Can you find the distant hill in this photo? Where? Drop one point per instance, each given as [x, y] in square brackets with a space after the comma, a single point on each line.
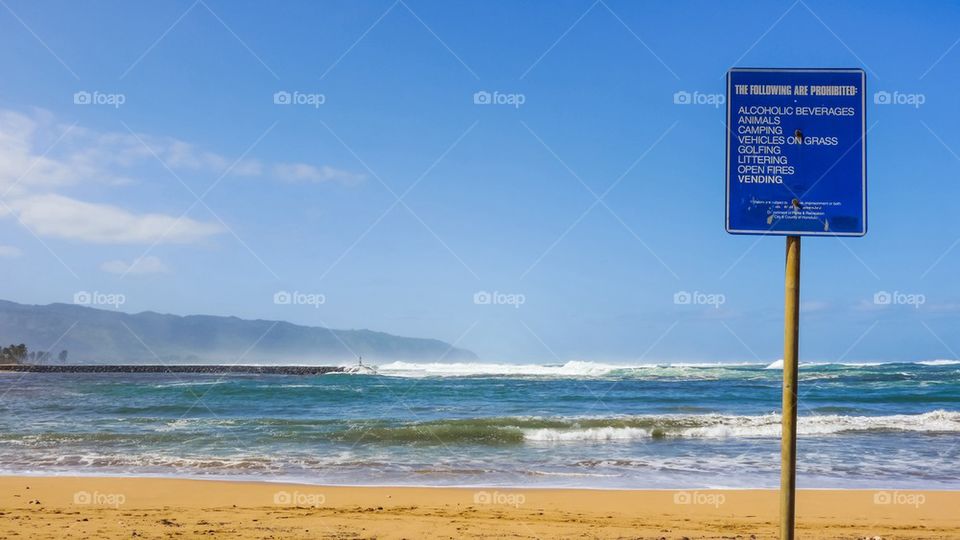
[108, 337]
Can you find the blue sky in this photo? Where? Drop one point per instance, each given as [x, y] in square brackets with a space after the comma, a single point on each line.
[397, 199]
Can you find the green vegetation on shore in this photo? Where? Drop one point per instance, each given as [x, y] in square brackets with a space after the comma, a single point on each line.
[19, 354]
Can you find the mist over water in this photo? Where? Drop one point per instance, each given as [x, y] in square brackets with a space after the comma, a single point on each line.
[577, 424]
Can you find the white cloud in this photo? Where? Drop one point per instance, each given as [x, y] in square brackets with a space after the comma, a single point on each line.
[20, 166]
[38, 152]
[9, 252]
[41, 158]
[145, 265]
[63, 217]
[180, 155]
[302, 172]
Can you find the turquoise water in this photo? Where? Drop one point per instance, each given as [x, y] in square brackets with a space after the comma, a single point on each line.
[578, 424]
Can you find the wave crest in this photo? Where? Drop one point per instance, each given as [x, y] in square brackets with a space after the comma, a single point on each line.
[580, 368]
[515, 430]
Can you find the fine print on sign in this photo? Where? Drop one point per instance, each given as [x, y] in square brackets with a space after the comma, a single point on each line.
[796, 152]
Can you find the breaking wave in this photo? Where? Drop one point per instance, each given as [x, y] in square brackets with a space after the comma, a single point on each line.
[514, 430]
[519, 430]
[578, 368]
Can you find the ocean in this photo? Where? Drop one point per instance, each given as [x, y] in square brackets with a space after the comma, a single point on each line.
[580, 424]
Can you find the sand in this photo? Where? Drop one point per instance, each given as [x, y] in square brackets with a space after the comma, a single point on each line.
[99, 507]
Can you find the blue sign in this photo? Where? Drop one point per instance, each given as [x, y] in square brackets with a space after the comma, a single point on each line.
[796, 152]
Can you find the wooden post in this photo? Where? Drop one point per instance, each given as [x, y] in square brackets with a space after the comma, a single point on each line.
[788, 445]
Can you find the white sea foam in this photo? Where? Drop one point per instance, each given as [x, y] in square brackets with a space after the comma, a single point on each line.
[570, 369]
[580, 368]
[194, 423]
[719, 426]
[592, 434]
[940, 362]
[188, 383]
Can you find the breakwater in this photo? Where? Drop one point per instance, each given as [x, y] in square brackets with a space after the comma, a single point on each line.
[173, 368]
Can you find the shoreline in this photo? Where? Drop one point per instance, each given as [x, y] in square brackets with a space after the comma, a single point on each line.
[125, 507]
[250, 479]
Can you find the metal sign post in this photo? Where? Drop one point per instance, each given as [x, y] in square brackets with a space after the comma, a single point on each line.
[796, 166]
[791, 341]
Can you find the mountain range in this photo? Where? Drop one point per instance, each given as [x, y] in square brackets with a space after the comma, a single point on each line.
[101, 336]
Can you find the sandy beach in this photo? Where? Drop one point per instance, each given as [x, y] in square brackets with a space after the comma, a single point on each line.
[99, 507]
